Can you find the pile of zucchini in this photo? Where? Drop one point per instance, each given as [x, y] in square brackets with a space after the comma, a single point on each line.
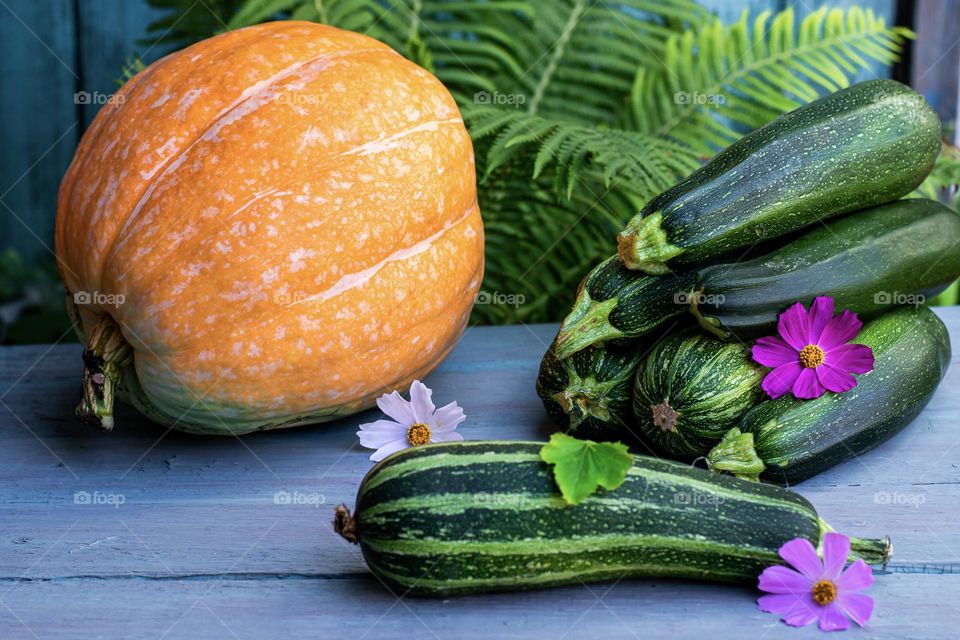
[657, 347]
[806, 206]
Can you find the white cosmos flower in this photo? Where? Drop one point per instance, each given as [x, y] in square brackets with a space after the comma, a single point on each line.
[414, 423]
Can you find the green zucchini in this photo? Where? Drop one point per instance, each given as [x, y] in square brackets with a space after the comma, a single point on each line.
[788, 440]
[860, 147]
[691, 389]
[588, 395]
[905, 250]
[481, 516]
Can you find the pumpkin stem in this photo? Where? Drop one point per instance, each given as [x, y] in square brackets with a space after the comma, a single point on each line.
[344, 524]
[104, 357]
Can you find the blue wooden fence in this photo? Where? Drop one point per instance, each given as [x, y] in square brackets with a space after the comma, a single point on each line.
[54, 51]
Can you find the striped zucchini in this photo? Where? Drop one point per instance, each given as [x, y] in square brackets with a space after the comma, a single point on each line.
[692, 389]
[860, 147]
[864, 261]
[468, 517]
[588, 395]
[789, 440]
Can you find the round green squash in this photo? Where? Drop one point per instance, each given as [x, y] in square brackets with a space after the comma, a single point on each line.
[691, 389]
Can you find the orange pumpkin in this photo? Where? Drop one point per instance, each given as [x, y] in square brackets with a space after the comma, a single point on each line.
[271, 227]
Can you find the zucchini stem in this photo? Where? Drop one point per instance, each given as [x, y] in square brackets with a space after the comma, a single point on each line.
[587, 324]
[344, 524]
[707, 323]
[736, 454]
[583, 398]
[877, 551]
[643, 245]
[105, 356]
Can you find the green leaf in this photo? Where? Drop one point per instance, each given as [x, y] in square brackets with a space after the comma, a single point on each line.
[580, 466]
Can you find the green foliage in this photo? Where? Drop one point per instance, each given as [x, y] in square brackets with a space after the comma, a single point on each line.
[580, 467]
[717, 82]
[31, 302]
[575, 105]
[187, 21]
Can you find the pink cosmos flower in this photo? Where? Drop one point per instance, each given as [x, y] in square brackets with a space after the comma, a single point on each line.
[415, 422]
[811, 354]
[817, 590]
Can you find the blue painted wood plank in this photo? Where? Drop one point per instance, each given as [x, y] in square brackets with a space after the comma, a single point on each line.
[935, 68]
[38, 79]
[120, 534]
[267, 607]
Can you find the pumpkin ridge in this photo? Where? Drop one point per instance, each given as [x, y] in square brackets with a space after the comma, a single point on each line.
[175, 160]
[84, 149]
[185, 249]
[358, 278]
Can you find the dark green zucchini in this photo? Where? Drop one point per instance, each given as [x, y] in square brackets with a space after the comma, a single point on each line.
[908, 250]
[788, 440]
[469, 517]
[588, 395]
[860, 147]
[691, 389]
[866, 261]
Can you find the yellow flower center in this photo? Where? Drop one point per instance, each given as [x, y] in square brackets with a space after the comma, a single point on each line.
[418, 434]
[811, 356]
[824, 592]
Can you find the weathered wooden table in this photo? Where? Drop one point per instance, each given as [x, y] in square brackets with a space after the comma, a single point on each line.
[152, 534]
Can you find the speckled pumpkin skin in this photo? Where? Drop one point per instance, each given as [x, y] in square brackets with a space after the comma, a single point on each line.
[289, 213]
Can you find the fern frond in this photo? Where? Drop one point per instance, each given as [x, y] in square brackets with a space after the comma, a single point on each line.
[631, 162]
[717, 82]
[187, 21]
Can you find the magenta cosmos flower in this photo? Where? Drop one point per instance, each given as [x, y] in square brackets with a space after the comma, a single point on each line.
[414, 423]
[816, 590]
[811, 354]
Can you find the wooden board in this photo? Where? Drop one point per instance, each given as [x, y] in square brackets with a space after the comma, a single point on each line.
[144, 533]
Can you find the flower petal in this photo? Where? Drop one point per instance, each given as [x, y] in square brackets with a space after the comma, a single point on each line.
[446, 436]
[793, 326]
[780, 603]
[840, 330]
[779, 579]
[773, 351]
[373, 438]
[857, 576]
[803, 614]
[781, 379]
[855, 358]
[834, 378]
[421, 402]
[383, 425]
[808, 385]
[858, 606]
[832, 618]
[387, 449]
[396, 407]
[836, 548]
[821, 312]
[447, 417]
[803, 557]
